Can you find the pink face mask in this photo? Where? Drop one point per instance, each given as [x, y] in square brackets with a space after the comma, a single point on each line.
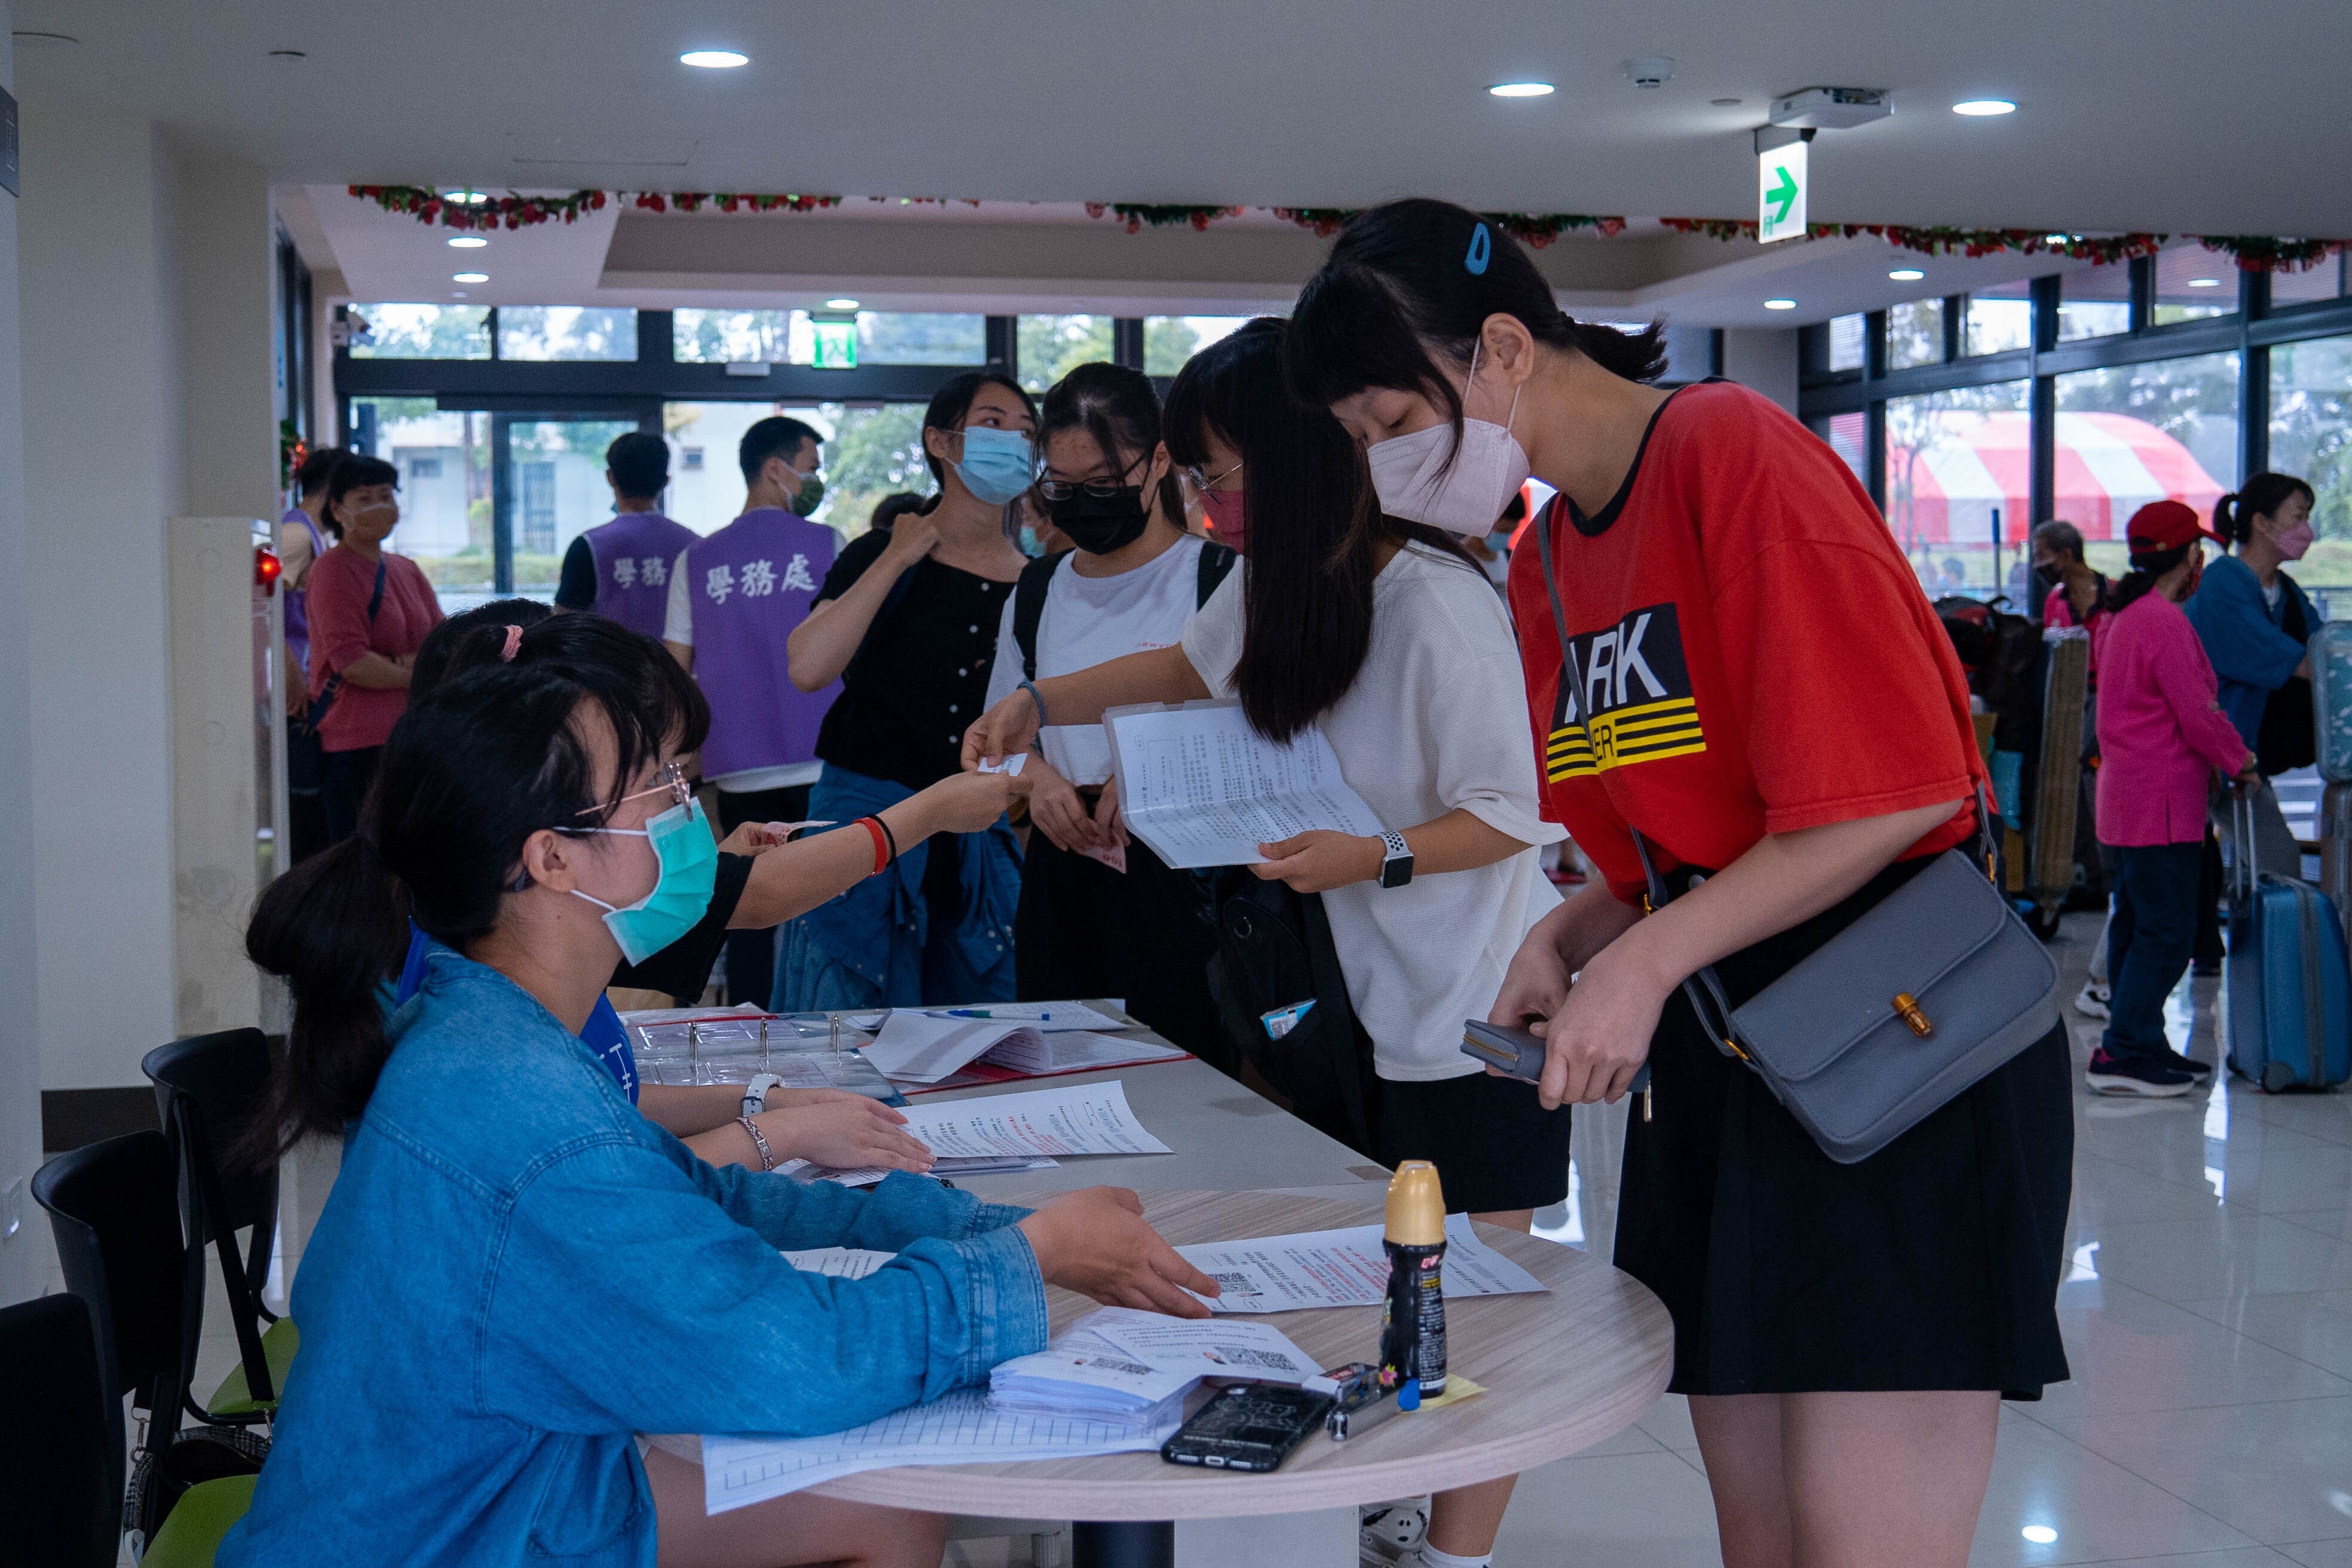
[2294, 541]
[1226, 518]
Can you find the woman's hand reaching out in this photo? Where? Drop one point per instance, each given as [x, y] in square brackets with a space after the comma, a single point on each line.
[1057, 808]
[1096, 1242]
[1008, 728]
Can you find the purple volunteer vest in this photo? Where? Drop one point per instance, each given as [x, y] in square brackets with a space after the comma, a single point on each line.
[752, 582]
[297, 610]
[633, 553]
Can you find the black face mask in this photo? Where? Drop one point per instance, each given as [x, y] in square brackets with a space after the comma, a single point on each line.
[1100, 524]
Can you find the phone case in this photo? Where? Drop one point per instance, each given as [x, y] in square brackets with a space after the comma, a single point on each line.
[1506, 1050]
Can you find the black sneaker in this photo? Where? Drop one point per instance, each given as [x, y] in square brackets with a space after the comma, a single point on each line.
[2150, 1074]
[2199, 1070]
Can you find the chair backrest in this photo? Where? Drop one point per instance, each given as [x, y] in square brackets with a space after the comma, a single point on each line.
[215, 1083]
[62, 1499]
[208, 1088]
[114, 1208]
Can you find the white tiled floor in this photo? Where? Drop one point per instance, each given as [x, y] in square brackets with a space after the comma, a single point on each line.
[2208, 1321]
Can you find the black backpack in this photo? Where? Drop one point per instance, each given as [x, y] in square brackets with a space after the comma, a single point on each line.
[1037, 579]
[1275, 953]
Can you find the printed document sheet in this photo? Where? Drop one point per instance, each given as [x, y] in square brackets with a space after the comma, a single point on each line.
[958, 1429]
[839, 1262]
[1202, 788]
[1085, 1119]
[1342, 1269]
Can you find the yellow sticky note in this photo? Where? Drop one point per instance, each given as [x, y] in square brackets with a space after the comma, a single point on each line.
[1457, 1389]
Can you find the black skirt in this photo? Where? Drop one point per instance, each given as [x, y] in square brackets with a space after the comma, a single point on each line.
[1934, 1264]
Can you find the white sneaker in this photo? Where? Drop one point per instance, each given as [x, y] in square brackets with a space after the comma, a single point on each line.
[2091, 1000]
[1389, 1534]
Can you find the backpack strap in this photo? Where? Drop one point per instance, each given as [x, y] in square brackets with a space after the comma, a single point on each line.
[1029, 607]
[1216, 561]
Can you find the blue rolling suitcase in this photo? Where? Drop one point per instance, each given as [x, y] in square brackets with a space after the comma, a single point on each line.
[2290, 1013]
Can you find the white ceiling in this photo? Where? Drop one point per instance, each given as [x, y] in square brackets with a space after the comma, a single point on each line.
[2193, 115]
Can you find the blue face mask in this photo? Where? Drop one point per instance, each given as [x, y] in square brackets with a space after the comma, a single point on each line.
[681, 895]
[997, 464]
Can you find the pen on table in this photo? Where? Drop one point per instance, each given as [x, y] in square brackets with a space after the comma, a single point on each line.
[984, 1013]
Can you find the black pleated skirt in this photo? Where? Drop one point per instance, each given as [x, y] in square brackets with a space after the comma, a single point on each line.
[1934, 1264]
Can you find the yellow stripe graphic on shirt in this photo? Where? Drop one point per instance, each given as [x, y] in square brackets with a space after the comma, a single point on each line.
[1643, 733]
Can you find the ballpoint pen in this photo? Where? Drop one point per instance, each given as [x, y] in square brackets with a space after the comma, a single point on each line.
[984, 1013]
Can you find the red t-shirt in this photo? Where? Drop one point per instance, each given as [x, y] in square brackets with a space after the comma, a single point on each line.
[1752, 654]
[340, 633]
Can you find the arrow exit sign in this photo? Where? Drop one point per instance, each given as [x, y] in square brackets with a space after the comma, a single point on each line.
[1780, 185]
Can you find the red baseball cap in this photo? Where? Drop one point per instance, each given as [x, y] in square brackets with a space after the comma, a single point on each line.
[2164, 526]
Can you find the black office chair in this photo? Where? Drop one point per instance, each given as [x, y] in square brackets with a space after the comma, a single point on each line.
[114, 1209]
[208, 1089]
[54, 1493]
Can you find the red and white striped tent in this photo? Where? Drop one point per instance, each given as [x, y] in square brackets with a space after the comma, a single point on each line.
[2109, 466]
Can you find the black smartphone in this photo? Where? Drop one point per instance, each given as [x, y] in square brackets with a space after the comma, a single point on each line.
[1249, 1426]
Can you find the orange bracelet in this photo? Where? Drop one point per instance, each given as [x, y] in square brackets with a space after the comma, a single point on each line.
[881, 845]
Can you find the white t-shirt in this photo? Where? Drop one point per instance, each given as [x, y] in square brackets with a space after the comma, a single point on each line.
[1089, 621]
[1437, 718]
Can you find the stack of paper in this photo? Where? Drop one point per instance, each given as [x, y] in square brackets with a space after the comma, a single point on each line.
[1120, 1365]
[1084, 1119]
[1342, 1269]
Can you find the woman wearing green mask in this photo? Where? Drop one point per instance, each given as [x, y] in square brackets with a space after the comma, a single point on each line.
[906, 621]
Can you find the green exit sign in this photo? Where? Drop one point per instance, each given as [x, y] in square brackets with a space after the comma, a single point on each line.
[837, 345]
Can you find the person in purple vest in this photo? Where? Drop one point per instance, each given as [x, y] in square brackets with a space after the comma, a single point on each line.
[734, 601]
[299, 542]
[620, 569]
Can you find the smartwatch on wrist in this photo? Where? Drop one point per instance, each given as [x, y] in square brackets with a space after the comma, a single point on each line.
[1396, 866]
[755, 1095]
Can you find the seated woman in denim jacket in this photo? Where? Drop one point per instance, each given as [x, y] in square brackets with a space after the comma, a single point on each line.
[515, 1271]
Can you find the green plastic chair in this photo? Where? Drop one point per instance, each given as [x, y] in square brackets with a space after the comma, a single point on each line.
[192, 1530]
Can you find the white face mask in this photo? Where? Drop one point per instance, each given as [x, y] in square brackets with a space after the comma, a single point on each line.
[1413, 481]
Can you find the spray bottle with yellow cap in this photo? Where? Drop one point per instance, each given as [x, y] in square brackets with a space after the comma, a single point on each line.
[1413, 1322]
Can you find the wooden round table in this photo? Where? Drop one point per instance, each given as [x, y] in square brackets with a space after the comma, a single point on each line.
[1562, 1371]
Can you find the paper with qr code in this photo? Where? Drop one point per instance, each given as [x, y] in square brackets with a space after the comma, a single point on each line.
[1342, 1269]
[1204, 1346]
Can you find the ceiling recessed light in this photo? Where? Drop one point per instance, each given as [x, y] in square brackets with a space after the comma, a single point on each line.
[1724, 102]
[2039, 1535]
[467, 242]
[43, 40]
[466, 198]
[469, 277]
[1984, 106]
[1907, 275]
[1521, 89]
[1779, 304]
[2204, 282]
[714, 60]
[841, 304]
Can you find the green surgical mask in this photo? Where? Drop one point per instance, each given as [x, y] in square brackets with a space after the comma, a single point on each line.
[811, 492]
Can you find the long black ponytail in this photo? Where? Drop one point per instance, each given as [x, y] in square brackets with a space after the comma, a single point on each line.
[1415, 278]
[473, 769]
[2147, 566]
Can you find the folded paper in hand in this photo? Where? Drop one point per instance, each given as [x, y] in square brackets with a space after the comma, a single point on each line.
[1202, 788]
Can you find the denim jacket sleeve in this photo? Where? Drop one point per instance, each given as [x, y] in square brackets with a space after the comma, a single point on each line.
[625, 1289]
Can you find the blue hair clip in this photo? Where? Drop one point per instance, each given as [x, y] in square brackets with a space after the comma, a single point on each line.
[1482, 250]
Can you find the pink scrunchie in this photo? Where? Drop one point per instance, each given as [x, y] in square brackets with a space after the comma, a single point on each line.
[514, 641]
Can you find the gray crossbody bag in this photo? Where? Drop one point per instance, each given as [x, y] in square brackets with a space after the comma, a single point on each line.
[1887, 1021]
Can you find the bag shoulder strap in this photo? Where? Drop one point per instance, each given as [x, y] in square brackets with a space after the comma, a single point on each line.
[1029, 606]
[1216, 561]
[375, 599]
[1330, 988]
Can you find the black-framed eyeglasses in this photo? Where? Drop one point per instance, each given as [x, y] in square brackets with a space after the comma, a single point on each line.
[1101, 488]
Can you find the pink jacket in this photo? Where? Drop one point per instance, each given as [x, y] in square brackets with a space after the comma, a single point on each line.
[2161, 732]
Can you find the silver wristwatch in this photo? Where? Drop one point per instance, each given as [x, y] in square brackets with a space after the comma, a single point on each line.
[1396, 866]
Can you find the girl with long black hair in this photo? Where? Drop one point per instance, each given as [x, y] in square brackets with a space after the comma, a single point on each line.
[1100, 914]
[906, 621]
[1755, 683]
[1385, 637]
[516, 1272]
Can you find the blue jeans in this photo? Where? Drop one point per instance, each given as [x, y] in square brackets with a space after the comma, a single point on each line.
[2148, 941]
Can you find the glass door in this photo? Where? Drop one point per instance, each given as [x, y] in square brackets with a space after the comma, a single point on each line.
[551, 489]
